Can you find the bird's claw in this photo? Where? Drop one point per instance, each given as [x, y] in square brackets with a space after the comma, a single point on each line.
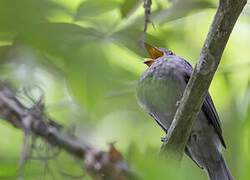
[164, 139]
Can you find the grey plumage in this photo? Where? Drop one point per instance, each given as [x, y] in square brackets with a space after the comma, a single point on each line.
[160, 88]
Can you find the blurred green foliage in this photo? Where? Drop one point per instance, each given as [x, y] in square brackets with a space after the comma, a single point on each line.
[84, 55]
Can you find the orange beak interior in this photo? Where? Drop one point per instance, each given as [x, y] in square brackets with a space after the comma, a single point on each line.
[149, 61]
[154, 54]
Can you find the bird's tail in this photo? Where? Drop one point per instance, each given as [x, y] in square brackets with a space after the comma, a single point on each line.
[219, 171]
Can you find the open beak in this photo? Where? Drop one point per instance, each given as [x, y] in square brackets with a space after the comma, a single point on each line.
[154, 54]
[148, 61]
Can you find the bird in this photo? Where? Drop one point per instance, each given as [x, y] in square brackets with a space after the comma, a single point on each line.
[159, 91]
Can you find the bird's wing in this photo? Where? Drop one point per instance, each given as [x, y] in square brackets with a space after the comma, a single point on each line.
[208, 108]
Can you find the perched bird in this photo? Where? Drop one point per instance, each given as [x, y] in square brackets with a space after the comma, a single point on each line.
[160, 90]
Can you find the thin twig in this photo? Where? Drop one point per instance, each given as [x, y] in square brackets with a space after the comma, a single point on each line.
[147, 7]
[36, 121]
[23, 156]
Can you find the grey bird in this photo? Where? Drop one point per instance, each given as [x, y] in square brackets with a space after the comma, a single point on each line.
[160, 90]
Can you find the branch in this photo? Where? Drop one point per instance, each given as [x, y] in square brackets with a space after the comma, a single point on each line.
[99, 164]
[147, 7]
[225, 18]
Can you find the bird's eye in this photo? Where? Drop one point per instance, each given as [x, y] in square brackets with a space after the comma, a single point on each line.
[170, 53]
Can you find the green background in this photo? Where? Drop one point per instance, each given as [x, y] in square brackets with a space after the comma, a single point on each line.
[85, 57]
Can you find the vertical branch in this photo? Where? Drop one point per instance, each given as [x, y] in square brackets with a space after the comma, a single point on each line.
[147, 7]
[225, 18]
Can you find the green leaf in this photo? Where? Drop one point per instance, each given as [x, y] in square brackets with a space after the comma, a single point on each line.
[59, 40]
[91, 75]
[180, 9]
[82, 55]
[127, 6]
[18, 15]
[93, 8]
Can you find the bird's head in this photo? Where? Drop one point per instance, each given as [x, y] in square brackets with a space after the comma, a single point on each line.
[155, 53]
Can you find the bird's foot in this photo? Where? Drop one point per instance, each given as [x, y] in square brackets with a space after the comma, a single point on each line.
[178, 103]
[164, 139]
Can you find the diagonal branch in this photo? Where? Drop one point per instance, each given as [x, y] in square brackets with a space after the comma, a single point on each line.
[99, 164]
[225, 18]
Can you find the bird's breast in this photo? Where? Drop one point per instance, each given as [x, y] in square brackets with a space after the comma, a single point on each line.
[160, 89]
